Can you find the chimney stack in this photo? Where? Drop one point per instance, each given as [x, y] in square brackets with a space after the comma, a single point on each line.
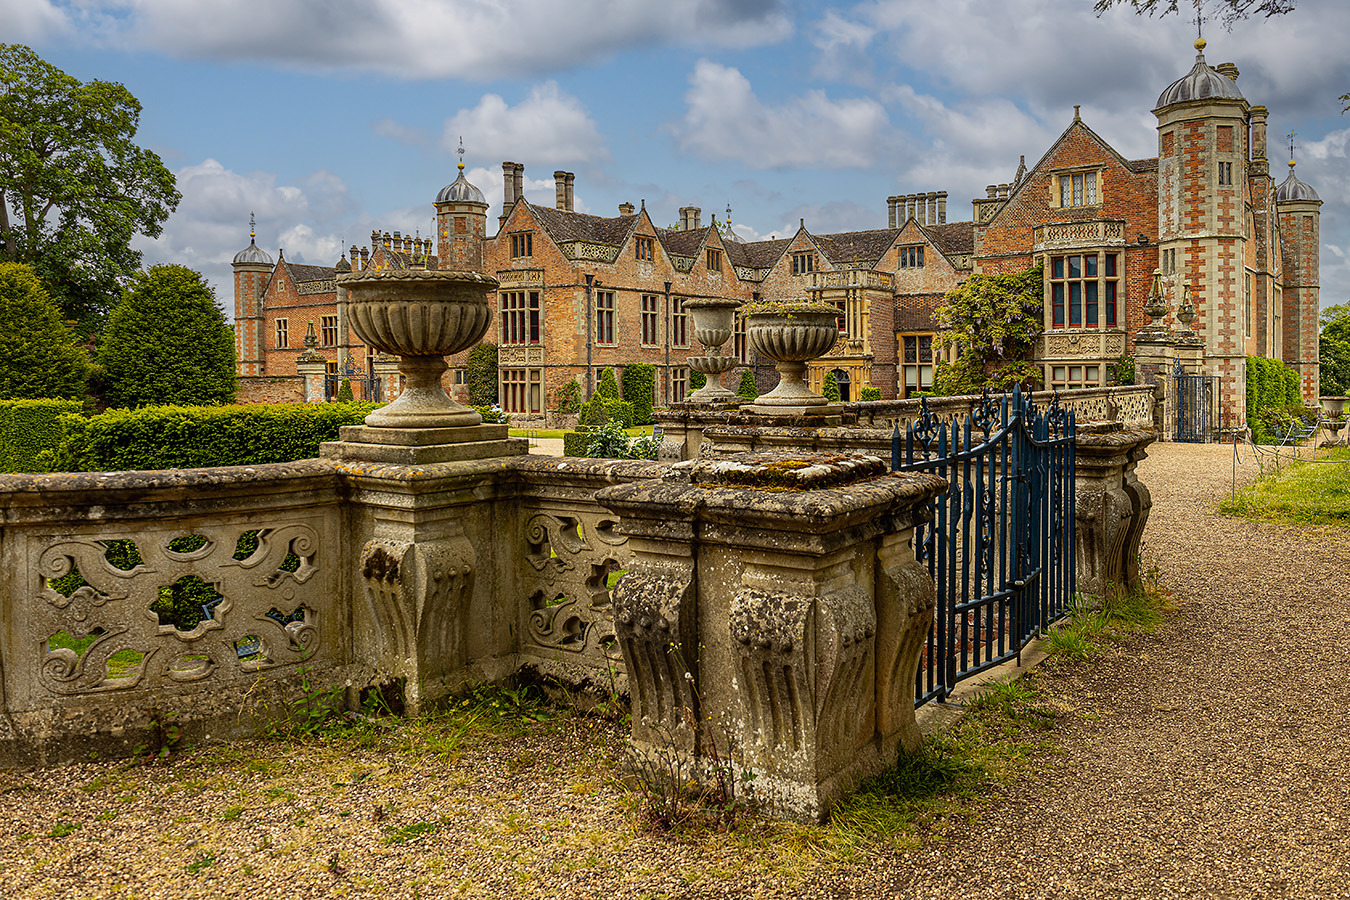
[356, 258]
[1228, 69]
[931, 200]
[942, 208]
[890, 211]
[518, 177]
[560, 189]
[626, 209]
[571, 203]
[1259, 114]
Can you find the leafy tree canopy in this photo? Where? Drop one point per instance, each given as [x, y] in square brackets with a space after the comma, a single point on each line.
[41, 359]
[1333, 351]
[167, 342]
[74, 186]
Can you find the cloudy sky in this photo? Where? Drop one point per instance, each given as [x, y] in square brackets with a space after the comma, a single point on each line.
[332, 117]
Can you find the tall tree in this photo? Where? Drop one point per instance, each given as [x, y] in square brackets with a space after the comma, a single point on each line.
[74, 186]
[167, 343]
[1333, 351]
[41, 359]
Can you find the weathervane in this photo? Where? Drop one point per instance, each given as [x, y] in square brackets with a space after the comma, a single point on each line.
[1291, 136]
[460, 151]
[252, 226]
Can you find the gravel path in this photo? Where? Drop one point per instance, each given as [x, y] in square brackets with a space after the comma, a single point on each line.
[1208, 760]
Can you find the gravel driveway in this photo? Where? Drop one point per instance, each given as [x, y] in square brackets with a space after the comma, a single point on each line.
[1209, 760]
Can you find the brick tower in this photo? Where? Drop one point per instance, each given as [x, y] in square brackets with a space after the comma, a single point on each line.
[251, 269]
[1202, 197]
[461, 224]
[1297, 206]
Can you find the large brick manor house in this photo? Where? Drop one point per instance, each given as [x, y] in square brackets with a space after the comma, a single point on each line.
[581, 292]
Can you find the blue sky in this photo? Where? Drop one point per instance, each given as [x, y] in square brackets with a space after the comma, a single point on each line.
[332, 117]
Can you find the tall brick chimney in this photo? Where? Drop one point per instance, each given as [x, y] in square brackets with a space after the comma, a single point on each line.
[508, 190]
[571, 200]
[560, 189]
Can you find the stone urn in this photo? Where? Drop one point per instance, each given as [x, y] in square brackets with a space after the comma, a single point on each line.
[420, 316]
[791, 333]
[714, 321]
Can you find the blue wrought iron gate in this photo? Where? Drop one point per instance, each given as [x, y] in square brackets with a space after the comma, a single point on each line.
[365, 385]
[1000, 544]
[1195, 405]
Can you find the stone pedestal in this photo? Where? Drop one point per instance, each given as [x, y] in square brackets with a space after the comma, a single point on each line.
[423, 446]
[772, 619]
[312, 369]
[1112, 507]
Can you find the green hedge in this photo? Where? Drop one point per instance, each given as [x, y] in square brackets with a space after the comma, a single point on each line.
[27, 428]
[639, 388]
[575, 443]
[608, 387]
[188, 437]
[869, 392]
[1270, 385]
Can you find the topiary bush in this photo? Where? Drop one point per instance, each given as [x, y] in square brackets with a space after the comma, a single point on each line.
[167, 342]
[480, 374]
[28, 428]
[608, 387]
[41, 359]
[619, 412]
[748, 389]
[344, 394]
[493, 415]
[830, 389]
[186, 437]
[639, 389]
[569, 397]
[869, 392]
[575, 443]
[593, 413]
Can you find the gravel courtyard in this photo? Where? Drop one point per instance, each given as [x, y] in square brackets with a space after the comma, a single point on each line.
[1207, 760]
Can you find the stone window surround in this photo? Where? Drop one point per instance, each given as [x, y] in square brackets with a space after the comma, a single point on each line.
[1105, 299]
[604, 318]
[283, 334]
[522, 244]
[328, 331]
[1091, 189]
[651, 320]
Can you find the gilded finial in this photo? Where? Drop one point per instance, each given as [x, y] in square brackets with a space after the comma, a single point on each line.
[1200, 42]
[252, 227]
[1291, 136]
[460, 151]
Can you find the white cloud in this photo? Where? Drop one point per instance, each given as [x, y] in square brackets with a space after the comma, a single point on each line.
[549, 127]
[724, 119]
[475, 39]
[30, 21]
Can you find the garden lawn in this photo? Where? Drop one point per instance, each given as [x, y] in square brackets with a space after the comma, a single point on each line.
[1310, 492]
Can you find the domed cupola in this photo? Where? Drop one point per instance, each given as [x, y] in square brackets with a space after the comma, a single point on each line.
[1202, 82]
[1292, 189]
[461, 191]
[252, 255]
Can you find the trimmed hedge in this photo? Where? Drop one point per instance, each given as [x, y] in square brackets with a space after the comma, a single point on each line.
[189, 437]
[869, 392]
[639, 389]
[575, 443]
[480, 373]
[608, 387]
[1270, 385]
[29, 427]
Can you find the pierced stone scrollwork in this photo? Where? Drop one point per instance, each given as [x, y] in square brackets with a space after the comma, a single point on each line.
[572, 610]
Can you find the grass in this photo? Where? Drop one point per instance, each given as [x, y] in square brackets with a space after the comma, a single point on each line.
[120, 665]
[1309, 492]
[1093, 624]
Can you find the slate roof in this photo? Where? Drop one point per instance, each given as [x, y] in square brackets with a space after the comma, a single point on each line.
[301, 273]
[952, 237]
[864, 246]
[762, 254]
[682, 243]
[1143, 165]
[562, 226]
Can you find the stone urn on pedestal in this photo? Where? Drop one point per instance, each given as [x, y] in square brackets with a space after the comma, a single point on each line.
[714, 321]
[421, 316]
[791, 333]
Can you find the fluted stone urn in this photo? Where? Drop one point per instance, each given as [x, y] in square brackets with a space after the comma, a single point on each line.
[791, 333]
[714, 321]
[420, 316]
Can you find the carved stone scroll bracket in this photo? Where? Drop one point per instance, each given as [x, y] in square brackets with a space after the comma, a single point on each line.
[654, 619]
[1112, 509]
[417, 595]
[906, 597]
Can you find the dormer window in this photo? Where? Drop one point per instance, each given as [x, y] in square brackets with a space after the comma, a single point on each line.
[803, 263]
[522, 245]
[1078, 190]
[645, 248]
[714, 259]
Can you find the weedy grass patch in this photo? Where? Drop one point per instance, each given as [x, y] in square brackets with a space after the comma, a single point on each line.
[1304, 492]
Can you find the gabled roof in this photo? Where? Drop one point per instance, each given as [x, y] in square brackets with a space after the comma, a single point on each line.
[764, 254]
[863, 246]
[1143, 165]
[563, 225]
[301, 273]
[682, 242]
[952, 237]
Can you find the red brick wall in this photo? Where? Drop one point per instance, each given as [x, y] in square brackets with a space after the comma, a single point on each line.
[268, 389]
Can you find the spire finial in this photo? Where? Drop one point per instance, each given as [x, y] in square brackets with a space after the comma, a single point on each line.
[1291, 136]
[1076, 116]
[1200, 42]
[460, 151]
[252, 227]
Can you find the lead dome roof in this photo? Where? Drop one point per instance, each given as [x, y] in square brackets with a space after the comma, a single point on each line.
[252, 254]
[1202, 82]
[461, 191]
